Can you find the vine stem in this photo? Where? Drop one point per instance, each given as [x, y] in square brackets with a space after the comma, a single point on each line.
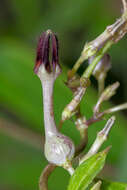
[99, 55]
[112, 33]
[124, 5]
[43, 181]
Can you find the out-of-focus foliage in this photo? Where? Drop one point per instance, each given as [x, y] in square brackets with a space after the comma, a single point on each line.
[107, 185]
[20, 91]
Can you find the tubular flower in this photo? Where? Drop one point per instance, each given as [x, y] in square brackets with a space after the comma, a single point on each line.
[59, 149]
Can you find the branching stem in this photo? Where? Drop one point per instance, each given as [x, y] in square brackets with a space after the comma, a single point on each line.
[100, 139]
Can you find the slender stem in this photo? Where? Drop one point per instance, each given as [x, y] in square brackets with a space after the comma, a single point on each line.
[94, 119]
[97, 58]
[43, 181]
[76, 66]
[124, 5]
[100, 115]
[116, 108]
[49, 123]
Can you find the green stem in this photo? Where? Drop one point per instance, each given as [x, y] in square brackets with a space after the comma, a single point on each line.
[97, 58]
[76, 66]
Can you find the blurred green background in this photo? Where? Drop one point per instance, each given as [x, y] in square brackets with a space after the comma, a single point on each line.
[21, 117]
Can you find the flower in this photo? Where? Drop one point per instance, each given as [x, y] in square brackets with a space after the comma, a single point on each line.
[48, 41]
[59, 149]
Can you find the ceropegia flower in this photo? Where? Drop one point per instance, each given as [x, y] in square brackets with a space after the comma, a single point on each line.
[59, 149]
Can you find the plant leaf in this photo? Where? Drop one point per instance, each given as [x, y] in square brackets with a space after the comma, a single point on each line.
[96, 186]
[87, 171]
[108, 185]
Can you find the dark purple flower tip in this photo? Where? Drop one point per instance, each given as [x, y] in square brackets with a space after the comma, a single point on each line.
[47, 40]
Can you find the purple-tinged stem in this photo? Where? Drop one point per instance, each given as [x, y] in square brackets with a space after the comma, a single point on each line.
[49, 122]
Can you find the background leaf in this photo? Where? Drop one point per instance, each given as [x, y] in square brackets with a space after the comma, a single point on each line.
[108, 185]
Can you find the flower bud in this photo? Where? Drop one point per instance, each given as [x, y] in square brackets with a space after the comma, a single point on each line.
[45, 67]
[109, 92]
[100, 139]
[106, 95]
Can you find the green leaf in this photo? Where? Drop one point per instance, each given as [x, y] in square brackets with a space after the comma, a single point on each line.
[108, 185]
[87, 171]
[96, 186]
